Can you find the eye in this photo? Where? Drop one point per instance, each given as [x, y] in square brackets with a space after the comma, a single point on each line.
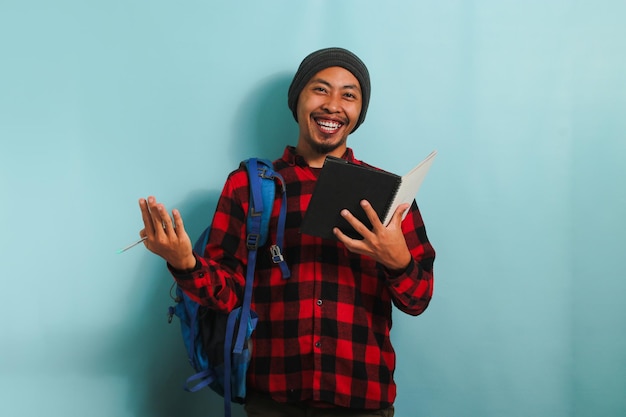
[319, 89]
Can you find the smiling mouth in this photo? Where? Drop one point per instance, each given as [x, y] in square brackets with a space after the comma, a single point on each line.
[328, 126]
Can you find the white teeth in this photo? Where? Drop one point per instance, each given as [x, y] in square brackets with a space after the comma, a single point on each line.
[329, 124]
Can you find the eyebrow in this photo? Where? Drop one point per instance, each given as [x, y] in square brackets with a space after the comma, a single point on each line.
[323, 81]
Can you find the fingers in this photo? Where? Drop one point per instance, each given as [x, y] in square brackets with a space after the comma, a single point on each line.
[164, 236]
[160, 220]
[342, 237]
[166, 220]
[371, 214]
[146, 217]
[179, 227]
[398, 215]
[358, 225]
[155, 218]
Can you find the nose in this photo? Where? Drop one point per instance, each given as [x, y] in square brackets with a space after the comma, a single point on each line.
[332, 103]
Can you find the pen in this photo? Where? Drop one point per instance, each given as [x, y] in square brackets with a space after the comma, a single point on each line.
[132, 244]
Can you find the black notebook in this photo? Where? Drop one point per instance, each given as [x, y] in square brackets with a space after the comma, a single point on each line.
[342, 185]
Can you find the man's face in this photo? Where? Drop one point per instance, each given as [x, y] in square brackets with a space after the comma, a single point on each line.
[328, 109]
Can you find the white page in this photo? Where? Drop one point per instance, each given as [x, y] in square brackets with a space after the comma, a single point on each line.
[410, 185]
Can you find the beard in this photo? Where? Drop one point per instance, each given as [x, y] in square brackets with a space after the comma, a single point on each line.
[324, 148]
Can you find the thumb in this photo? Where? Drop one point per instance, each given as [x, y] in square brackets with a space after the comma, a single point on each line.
[396, 219]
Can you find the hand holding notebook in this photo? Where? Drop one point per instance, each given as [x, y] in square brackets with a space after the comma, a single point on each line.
[342, 185]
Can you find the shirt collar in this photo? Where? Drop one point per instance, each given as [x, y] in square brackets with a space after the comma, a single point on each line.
[291, 157]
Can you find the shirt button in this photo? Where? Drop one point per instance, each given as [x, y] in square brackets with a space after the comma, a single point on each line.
[318, 344]
[319, 302]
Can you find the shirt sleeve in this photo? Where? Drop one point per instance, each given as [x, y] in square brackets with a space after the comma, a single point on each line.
[412, 289]
[218, 279]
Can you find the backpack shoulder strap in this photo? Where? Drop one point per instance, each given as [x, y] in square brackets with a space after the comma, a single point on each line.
[262, 179]
[262, 187]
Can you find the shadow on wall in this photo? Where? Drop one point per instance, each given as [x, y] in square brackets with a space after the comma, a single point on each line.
[148, 352]
[264, 125]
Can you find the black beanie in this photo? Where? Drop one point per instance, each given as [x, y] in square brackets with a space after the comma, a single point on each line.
[325, 58]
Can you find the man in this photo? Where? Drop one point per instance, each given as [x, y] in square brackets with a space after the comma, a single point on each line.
[322, 346]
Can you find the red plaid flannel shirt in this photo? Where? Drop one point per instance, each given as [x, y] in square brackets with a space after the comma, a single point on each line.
[323, 334]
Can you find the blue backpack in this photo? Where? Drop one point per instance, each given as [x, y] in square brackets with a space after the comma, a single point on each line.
[218, 345]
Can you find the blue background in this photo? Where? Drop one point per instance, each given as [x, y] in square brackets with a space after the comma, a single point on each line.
[104, 102]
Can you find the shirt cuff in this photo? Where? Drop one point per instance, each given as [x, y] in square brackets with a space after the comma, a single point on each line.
[392, 275]
[185, 274]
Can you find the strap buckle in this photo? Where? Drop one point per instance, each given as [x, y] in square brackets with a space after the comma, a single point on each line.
[253, 241]
[277, 256]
